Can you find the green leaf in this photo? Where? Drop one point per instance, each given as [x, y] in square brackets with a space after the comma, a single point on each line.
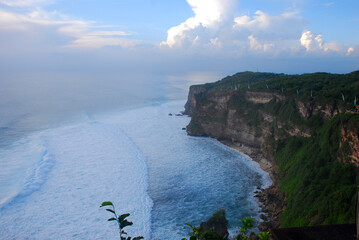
[206, 232]
[112, 219]
[125, 223]
[263, 235]
[247, 223]
[107, 203]
[194, 228]
[193, 238]
[138, 238]
[110, 210]
[123, 216]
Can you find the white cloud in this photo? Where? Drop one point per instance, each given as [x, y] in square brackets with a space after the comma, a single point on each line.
[96, 41]
[257, 46]
[208, 14]
[311, 42]
[285, 26]
[81, 32]
[214, 26]
[350, 51]
[215, 42]
[176, 35]
[353, 51]
[211, 29]
[315, 43]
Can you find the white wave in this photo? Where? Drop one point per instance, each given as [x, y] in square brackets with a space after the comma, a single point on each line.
[127, 158]
[23, 164]
[94, 163]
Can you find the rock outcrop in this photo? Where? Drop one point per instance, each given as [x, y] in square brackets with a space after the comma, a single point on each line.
[255, 120]
[217, 225]
[350, 144]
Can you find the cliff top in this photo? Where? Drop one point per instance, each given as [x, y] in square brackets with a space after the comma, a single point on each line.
[332, 88]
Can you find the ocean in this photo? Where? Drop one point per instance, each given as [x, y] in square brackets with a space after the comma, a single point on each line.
[67, 145]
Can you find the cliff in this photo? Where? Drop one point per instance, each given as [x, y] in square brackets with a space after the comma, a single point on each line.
[259, 112]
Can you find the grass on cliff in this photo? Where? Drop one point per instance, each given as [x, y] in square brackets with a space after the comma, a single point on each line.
[320, 189]
[324, 87]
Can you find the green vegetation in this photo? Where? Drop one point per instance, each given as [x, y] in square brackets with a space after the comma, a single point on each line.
[319, 86]
[121, 220]
[319, 183]
[197, 233]
[320, 187]
[247, 223]
[218, 219]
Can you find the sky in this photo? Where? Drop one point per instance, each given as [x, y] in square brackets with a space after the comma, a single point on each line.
[179, 36]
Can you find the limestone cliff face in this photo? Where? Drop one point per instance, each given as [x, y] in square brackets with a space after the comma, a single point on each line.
[251, 111]
[350, 144]
[248, 118]
[256, 119]
[214, 114]
[192, 100]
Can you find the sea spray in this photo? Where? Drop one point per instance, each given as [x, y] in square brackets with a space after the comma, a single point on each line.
[93, 162]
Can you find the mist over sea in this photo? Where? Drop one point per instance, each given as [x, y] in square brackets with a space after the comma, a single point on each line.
[70, 141]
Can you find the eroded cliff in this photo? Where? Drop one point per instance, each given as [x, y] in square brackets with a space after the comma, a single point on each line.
[261, 111]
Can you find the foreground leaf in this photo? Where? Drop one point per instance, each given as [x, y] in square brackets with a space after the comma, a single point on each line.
[110, 210]
[123, 216]
[107, 203]
[125, 223]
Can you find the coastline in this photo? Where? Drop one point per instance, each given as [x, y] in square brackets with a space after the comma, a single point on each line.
[271, 199]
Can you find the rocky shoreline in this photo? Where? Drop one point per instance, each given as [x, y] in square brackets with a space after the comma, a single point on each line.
[252, 120]
[271, 199]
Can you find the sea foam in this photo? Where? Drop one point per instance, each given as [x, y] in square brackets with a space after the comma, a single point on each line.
[139, 159]
[81, 166]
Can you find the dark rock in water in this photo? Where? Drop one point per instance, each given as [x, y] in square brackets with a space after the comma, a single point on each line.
[183, 128]
[218, 223]
[264, 217]
[178, 114]
[170, 114]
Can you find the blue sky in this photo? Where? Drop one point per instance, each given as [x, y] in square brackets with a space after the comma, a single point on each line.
[179, 36]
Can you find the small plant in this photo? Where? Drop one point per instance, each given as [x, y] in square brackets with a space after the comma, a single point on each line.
[196, 233]
[247, 224]
[263, 235]
[121, 221]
